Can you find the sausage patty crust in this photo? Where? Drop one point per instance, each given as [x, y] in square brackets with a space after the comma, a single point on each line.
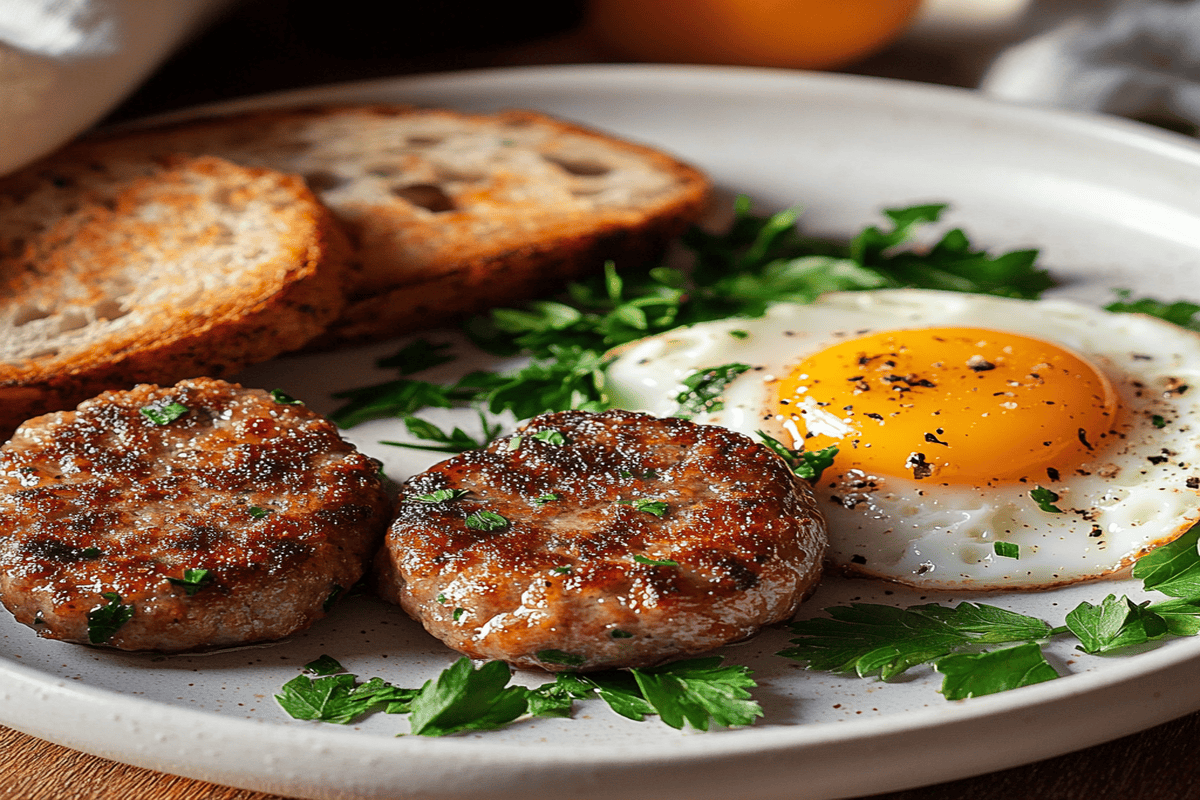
[197, 516]
[593, 541]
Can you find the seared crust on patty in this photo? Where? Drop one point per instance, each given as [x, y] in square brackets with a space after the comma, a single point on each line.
[107, 513]
[591, 541]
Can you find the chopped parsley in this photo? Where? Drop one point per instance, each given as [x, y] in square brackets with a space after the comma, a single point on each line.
[439, 496]
[757, 261]
[550, 437]
[548, 497]
[702, 389]
[193, 580]
[656, 507]
[484, 520]
[1007, 549]
[105, 620]
[331, 599]
[1045, 500]
[804, 463]
[284, 399]
[654, 562]
[164, 413]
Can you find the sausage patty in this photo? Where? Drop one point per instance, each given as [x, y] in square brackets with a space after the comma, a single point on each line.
[201, 515]
[592, 541]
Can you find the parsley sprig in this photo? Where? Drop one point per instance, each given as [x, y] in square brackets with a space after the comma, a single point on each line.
[870, 639]
[697, 692]
[757, 261]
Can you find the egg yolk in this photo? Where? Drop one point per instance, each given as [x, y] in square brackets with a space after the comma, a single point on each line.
[951, 405]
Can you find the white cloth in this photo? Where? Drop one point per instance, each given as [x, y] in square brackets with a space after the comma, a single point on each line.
[64, 64]
[1136, 58]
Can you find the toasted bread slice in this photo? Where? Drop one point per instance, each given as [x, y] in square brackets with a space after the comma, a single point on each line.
[115, 271]
[451, 212]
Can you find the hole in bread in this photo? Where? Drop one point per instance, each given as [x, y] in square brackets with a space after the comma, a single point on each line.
[425, 195]
[579, 166]
[28, 314]
[49, 352]
[323, 181]
[110, 310]
[385, 171]
[423, 141]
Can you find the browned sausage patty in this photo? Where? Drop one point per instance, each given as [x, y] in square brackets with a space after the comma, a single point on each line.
[591, 541]
[201, 515]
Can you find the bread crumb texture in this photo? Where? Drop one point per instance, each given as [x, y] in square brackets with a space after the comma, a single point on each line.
[451, 212]
[117, 269]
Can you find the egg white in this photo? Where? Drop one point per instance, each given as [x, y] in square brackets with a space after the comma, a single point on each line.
[1140, 490]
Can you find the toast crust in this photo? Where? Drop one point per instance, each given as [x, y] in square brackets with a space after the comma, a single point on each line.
[119, 272]
[449, 212]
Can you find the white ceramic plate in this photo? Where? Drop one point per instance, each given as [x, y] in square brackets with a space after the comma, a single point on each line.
[1110, 203]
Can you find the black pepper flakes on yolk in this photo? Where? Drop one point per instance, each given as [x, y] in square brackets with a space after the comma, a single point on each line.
[1005, 407]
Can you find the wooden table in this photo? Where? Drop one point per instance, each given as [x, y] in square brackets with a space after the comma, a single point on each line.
[269, 45]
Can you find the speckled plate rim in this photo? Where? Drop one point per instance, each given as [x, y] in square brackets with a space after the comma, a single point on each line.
[824, 760]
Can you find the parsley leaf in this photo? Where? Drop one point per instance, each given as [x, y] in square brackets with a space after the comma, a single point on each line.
[193, 580]
[657, 508]
[463, 698]
[164, 412]
[1045, 500]
[808, 465]
[550, 437]
[398, 398]
[1173, 568]
[702, 389]
[337, 697]
[456, 441]
[284, 399]
[698, 690]
[566, 377]
[759, 260]
[1007, 549]
[105, 620]
[867, 638]
[1114, 624]
[1183, 314]
[988, 624]
[439, 496]
[484, 520]
[975, 674]
[654, 562]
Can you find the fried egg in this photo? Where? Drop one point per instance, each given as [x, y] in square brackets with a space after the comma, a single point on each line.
[982, 442]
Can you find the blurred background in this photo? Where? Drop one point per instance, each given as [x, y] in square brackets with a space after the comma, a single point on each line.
[66, 65]
[257, 46]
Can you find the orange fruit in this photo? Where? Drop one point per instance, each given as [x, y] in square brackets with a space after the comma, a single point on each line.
[807, 34]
